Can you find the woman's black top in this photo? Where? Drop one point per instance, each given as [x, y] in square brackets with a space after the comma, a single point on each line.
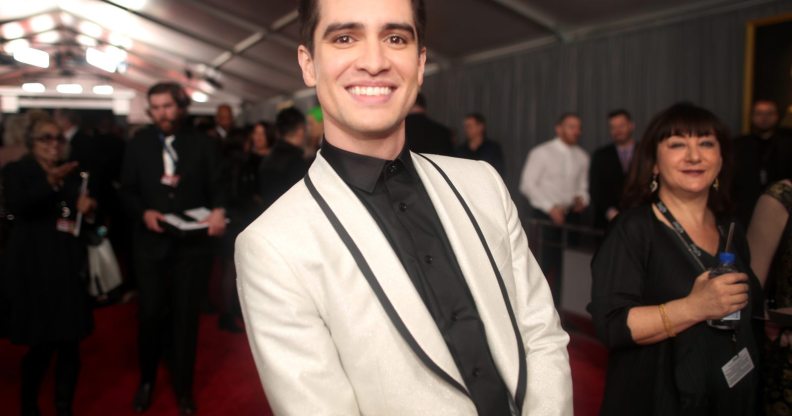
[44, 271]
[642, 262]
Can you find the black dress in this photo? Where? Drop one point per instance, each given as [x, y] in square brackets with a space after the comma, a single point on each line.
[642, 262]
[44, 268]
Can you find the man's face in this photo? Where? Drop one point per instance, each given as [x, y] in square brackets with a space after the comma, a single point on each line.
[569, 130]
[621, 129]
[764, 116]
[164, 112]
[473, 129]
[224, 117]
[366, 66]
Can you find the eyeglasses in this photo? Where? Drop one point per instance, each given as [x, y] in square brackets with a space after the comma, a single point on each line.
[50, 138]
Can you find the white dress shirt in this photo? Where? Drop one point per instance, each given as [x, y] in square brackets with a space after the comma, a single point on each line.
[555, 173]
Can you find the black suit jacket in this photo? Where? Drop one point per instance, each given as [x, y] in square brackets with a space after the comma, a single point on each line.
[606, 182]
[101, 156]
[199, 169]
[428, 136]
[280, 170]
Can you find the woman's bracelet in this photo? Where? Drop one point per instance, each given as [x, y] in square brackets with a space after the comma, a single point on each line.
[666, 322]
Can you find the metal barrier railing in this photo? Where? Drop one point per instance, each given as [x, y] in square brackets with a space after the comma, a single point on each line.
[549, 241]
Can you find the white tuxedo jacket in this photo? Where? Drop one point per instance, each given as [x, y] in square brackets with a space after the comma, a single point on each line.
[330, 339]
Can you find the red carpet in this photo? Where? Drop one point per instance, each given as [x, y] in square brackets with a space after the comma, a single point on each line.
[226, 382]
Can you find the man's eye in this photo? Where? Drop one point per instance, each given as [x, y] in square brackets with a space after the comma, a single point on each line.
[343, 39]
[396, 40]
[707, 143]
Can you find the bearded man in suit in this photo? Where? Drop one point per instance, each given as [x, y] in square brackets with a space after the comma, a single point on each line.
[388, 282]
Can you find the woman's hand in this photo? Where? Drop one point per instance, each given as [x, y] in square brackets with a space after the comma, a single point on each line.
[85, 204]
[717, 297]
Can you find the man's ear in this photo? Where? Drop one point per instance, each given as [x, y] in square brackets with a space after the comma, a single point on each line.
[305, 59]
[148, 113]
[421, 65]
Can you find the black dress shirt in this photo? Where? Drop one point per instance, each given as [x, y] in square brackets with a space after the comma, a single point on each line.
[395, 197]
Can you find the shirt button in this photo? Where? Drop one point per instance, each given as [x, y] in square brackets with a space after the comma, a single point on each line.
[476, 372]
[392, 168]
[428, 259]
[402, 207]
[455, 316]
[171, 195]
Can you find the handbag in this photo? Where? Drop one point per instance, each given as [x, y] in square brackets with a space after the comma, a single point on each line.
[104, 273]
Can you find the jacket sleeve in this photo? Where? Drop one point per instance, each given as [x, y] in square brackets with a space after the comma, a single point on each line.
[549, 386]
[130, 192]
[219, 175]
[294, 352]
[27, 194]
[617, 273]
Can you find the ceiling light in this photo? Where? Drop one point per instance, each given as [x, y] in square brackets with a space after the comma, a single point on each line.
[120, 41]
[199, 97]
[103, 89]
[69, 88]
[13, 30]
[32, 56]
[42, 23]
[66, 19]
[86, 40]
[116, 53]
[131, 4]
[90, 28]
[15, 44]
[48, 37]
[101, 60]
[33, 87]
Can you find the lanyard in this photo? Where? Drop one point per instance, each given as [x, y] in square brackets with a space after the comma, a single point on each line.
[168, 148]
[691, 247]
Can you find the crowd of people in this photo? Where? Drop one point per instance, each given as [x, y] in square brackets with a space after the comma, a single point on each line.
[360, 261]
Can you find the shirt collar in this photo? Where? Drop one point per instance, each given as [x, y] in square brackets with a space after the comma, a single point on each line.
[363, 171]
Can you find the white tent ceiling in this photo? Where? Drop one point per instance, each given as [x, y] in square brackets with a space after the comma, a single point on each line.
[244, 50]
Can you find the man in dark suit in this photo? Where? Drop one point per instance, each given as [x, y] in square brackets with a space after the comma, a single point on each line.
[285, 164]
[761, 158]
[609, 167]
[169, 169]
[425, 135]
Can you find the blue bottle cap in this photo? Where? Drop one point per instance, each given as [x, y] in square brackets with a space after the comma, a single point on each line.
[726, 258]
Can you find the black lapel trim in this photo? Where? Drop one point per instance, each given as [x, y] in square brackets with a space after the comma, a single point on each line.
[375, 286]
[521, 379]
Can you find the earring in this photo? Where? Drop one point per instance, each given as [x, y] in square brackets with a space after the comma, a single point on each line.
[654, 185]
[716, 184]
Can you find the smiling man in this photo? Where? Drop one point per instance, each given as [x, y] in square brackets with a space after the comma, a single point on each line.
[388, 282]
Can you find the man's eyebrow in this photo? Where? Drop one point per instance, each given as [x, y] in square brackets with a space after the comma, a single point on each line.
[406, 27]
[335, 27]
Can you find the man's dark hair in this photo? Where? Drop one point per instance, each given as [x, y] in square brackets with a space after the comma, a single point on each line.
[309, 19]
[174, 89]
[478, 117]
[566, 116]
[620, 112]
[420, 100]
[288, 121]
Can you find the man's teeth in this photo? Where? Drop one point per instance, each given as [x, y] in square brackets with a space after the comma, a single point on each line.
[370, 91]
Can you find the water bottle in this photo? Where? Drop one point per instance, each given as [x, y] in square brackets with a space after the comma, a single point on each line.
[731, 321]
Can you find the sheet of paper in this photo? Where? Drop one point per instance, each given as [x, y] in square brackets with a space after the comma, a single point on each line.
[182, 224]
[200, 213]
